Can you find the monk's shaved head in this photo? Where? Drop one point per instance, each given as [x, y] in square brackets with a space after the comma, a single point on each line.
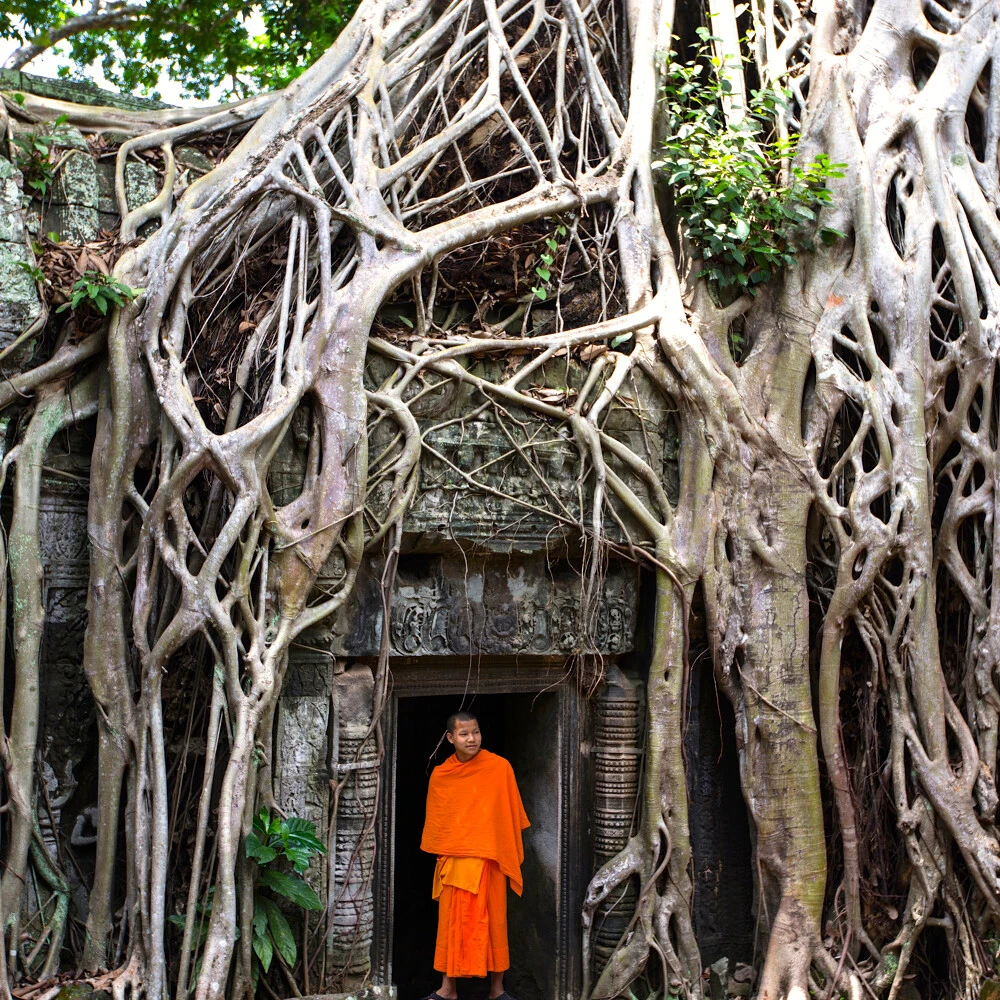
[456, 717]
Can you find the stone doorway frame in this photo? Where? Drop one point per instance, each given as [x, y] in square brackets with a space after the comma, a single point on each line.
[415, 677]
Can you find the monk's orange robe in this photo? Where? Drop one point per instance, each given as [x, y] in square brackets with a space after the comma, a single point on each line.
[474, 823]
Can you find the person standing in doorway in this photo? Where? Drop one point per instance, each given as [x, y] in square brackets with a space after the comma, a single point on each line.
[474, 823]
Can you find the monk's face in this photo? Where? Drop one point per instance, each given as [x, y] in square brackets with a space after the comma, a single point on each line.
[466, 739]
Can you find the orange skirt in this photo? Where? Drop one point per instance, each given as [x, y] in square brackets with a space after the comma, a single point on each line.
[472, 926]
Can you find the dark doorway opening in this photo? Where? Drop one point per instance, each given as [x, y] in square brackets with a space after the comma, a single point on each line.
[524, 728]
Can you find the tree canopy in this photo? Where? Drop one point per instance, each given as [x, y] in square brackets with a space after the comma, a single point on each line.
[202, 44]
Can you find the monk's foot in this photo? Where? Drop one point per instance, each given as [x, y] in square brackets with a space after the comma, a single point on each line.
[441, 996]
[501, 996]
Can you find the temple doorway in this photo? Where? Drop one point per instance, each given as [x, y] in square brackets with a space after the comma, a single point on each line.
[534, 730]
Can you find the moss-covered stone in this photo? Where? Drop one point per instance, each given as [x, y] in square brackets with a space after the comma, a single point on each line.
[78, 92]
[19, 303]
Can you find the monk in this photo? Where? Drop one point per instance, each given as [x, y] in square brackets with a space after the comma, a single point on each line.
[474, 823]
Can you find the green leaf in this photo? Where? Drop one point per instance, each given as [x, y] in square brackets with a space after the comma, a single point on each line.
[543, 272]
[281, 932]
[621, 339]
[291, 887]
[260, 915]
[260, 852]
[406, 321]
[552, 245]
[263, 949]
[299, 835]
[540, 293]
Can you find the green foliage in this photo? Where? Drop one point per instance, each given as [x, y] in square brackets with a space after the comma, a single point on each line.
[726, 180]
[34, 156]
[293, 839]
[200, 43]
[203, 914]
[546, 259]
[36, 274]
[272, 840]
[98, 291]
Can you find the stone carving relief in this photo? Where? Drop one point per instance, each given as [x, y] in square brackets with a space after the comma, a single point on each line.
[301, 768]
[356, 783]
[447, 607]
[511, 483]
[67, 711]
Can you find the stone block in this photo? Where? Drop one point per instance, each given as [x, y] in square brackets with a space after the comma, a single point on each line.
[369, 992]
[141, 185]
[197, 162]
[72, 212]
[68, 137]
[19, 302]
[76, 181]
[74, 91]
[11, 215]
[73, 224]
[106, 203]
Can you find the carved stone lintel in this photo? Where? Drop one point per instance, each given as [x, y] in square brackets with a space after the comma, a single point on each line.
[445, 606]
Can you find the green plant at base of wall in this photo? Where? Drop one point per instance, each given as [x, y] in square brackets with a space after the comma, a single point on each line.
[271, 842]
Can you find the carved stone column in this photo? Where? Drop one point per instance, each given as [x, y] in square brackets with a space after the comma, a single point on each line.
[301, 766]
[67, 711]
[617, 754]
[350, 905]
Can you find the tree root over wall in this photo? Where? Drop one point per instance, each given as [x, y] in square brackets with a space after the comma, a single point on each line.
[837, 482]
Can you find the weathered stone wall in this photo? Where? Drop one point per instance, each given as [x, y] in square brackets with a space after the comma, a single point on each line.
[20, 305]
[491, 566]
[79, 205]
[73, 91]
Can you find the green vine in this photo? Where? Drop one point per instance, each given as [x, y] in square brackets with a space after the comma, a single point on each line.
[543, 270]
[725, 177]
[274, 840]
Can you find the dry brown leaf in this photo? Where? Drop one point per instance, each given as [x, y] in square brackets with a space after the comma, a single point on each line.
[591, 351]
[554, 397]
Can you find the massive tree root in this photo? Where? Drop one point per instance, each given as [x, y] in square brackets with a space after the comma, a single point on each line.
[835, 502]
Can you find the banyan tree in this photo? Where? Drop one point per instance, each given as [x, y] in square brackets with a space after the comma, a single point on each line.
[792, 443]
